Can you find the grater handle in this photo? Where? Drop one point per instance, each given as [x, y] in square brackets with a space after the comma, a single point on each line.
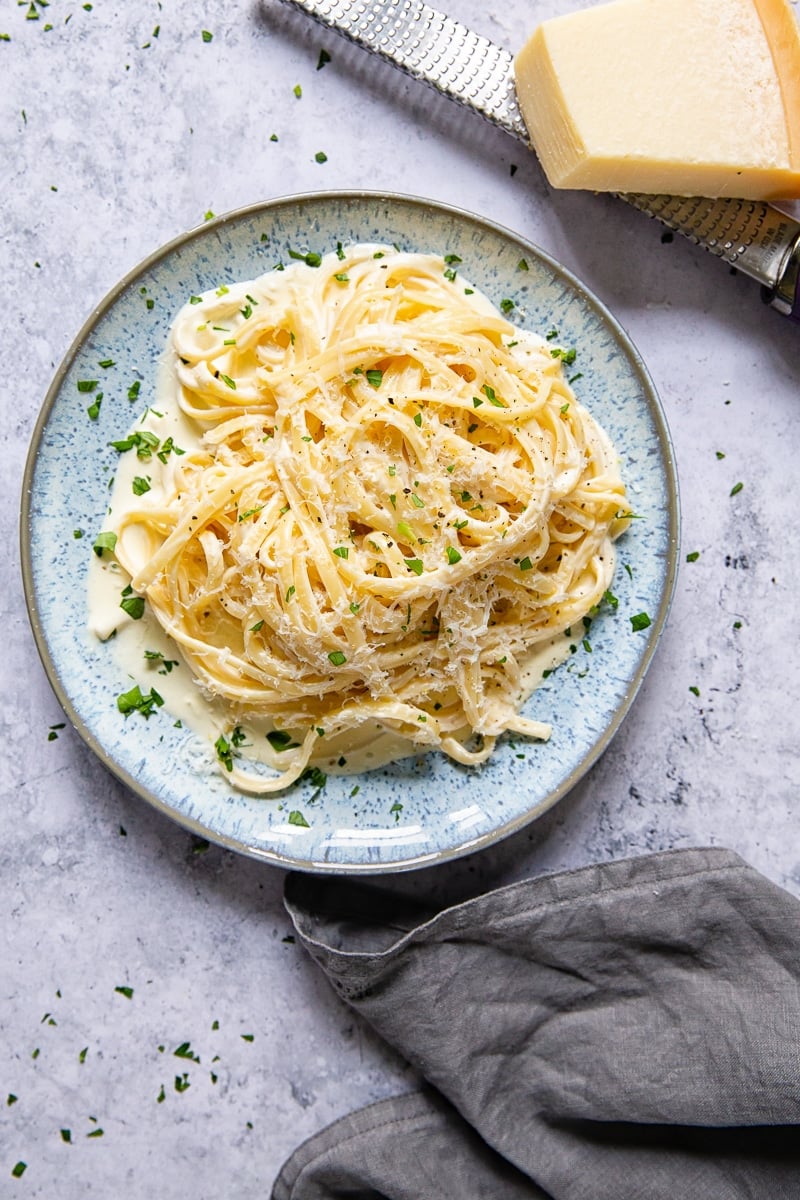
[752, 236]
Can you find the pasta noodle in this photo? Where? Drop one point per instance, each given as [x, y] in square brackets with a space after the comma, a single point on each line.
[395, 500]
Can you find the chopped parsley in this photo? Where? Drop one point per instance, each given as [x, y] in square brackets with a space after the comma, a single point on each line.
[490, 395]
[737, 487]
[125, 991]
[415, 564]
[315, 777]
[337, 658]
[131, 604]
[310, 258]
[640, 621]
[142, 441]
[207, 36]
[693, 557]
[104, 541]
[167, 448]
[135, 700]
[224, 752]
[185, 1051]
[280, 740]
[166, 663]
[296, 818]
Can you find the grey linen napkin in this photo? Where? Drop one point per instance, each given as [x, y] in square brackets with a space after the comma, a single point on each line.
[627, 1030]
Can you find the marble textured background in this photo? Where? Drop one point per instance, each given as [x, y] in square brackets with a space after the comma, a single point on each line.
[115, 138]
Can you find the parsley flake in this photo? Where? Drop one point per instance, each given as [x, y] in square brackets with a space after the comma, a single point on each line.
[104, 541]
[280, 740]
[224, 752]
[135, 700]
[132, 605]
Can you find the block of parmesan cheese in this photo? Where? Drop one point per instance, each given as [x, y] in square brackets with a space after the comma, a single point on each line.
[686, 97]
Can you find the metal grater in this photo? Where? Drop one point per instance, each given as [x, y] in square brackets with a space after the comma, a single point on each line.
[758, 239]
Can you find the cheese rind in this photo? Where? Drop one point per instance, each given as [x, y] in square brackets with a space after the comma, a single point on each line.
[686, 97]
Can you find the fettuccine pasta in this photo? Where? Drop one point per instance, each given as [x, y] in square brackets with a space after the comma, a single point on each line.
[395, 500]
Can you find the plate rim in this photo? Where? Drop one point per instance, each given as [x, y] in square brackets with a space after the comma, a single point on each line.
[274, 856]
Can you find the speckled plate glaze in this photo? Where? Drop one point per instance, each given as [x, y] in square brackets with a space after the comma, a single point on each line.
[447, 810]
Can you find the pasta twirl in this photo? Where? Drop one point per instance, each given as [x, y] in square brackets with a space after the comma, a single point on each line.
[396, 499]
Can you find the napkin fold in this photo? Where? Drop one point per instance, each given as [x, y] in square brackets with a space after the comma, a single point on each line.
[626, 1030]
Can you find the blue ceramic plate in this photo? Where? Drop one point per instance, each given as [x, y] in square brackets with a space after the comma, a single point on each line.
[447, 810]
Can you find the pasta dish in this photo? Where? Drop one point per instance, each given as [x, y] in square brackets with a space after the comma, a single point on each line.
[393, 499]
